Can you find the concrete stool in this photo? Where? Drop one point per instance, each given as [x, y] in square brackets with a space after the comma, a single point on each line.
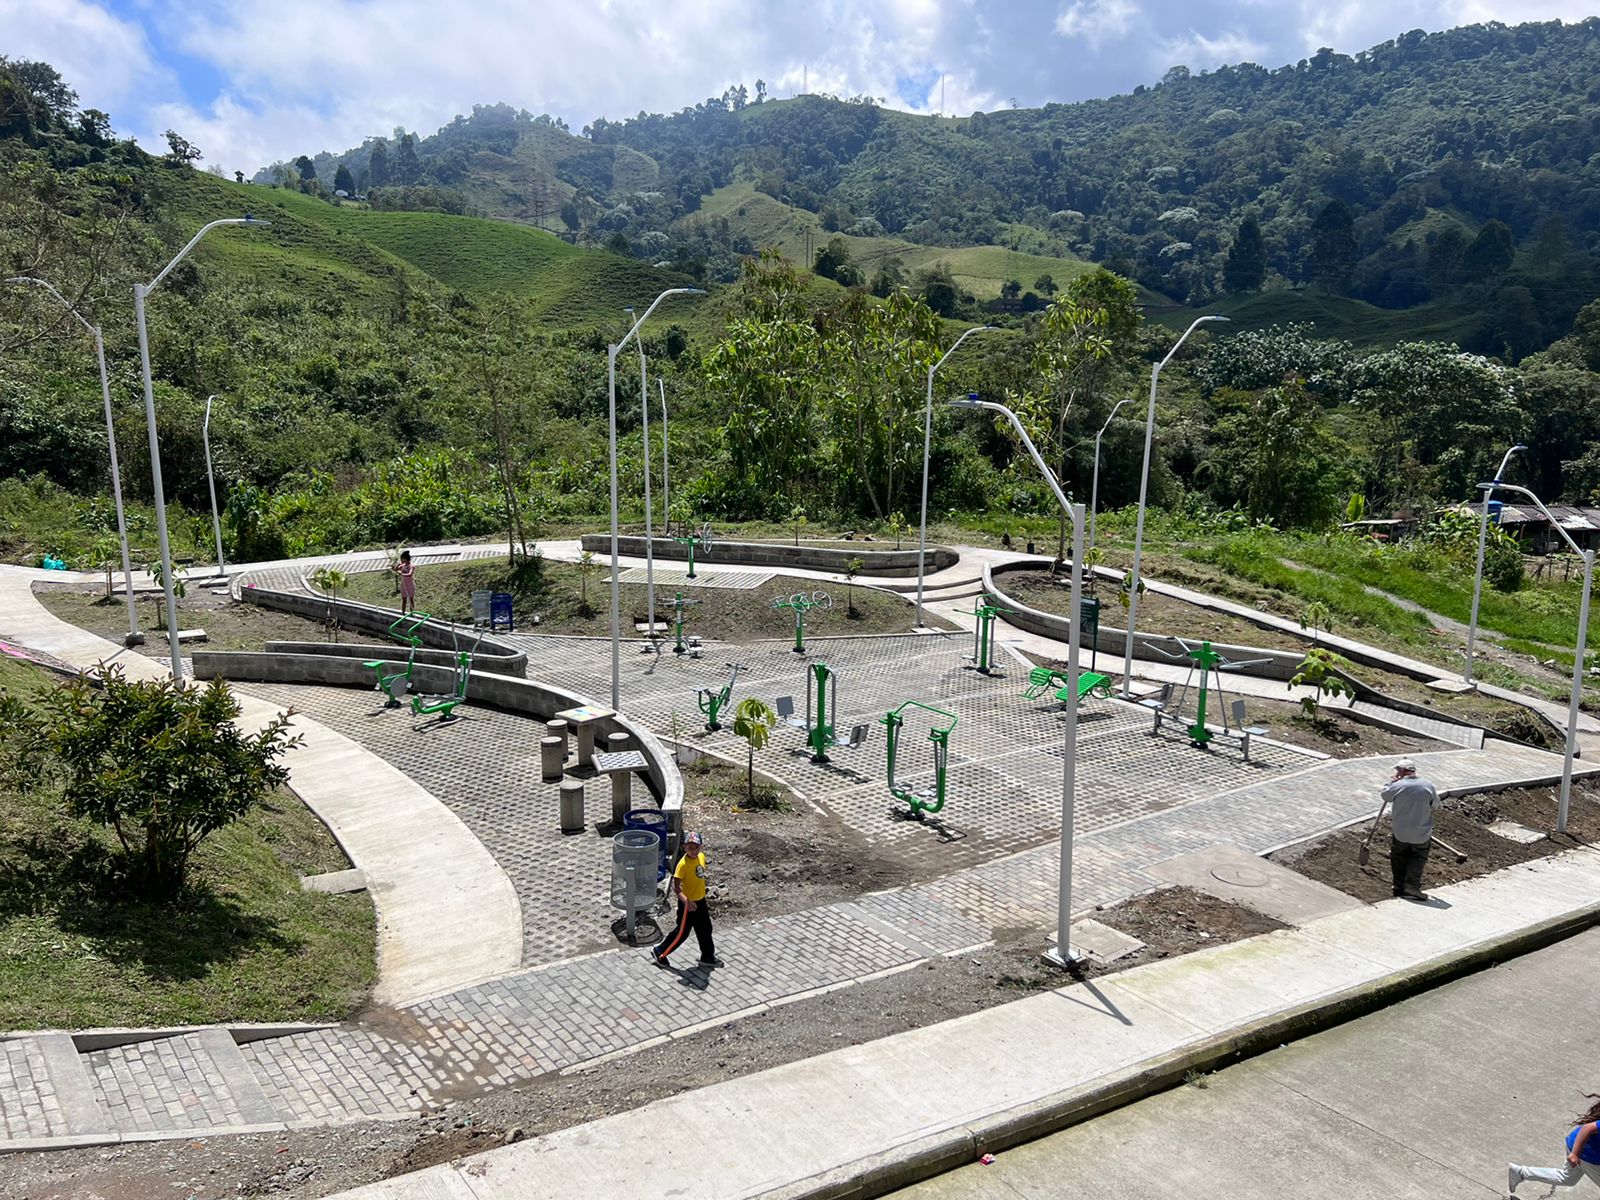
[556, 727]
[572, 819]
[552, 758]
[616, 742]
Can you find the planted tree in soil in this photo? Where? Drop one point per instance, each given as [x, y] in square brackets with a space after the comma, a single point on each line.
[851, 570]
[753, 720]
[588, 565]
[159, 574]
[330, 581]
[1320, 670]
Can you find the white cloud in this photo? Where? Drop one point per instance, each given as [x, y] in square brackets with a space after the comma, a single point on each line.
[1204, 53]
[108, 60]
[1097, 21]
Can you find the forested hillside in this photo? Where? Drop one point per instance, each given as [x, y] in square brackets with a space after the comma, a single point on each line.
[1459, 169]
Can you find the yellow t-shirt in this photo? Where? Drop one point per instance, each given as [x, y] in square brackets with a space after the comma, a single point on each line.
[691, 875]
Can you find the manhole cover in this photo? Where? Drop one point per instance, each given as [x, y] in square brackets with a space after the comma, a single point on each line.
[1241, 875]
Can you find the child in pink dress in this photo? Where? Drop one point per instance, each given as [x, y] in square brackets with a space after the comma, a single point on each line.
[408, 582]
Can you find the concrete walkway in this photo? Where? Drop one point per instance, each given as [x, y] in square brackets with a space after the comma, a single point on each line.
[864, 1119]
[447, 914]
[1426, 1100]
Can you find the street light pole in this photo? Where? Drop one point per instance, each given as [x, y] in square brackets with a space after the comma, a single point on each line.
[1144, 488]
[616, 590]
[666, 481]
[134, 637]
[1094, 488]
[141, 292]
[211, 482]
[1583, 641]
[927, 445]
[1062, 955]
[1477, 574]
[649, 516]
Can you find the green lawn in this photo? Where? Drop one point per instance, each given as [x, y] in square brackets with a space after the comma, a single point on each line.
[1333, 317]
[241, 943]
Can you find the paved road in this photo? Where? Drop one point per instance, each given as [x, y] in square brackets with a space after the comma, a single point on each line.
[1429, 1098]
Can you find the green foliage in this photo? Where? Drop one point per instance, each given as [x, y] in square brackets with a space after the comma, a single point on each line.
[1319, 670]
[753, 719]
[161, 765]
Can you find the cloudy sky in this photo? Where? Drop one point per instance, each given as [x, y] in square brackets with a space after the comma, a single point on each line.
[255, 81]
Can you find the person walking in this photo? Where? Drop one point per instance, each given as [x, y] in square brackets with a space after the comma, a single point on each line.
[689, 885]
[408, 582]
[1583, 1155]
[1411, 800]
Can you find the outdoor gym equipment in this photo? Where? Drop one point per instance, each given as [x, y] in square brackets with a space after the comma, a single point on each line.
[444, 707]
[822, 695]
[702, 538]
[677, 606]
[802, 604]
[1042, 679]
[712, 703]
[932, 799]
[983, 638]
[396, 684]
[1211, 665]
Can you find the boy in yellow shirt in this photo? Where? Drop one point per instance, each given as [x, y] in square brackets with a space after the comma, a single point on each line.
[689, 885]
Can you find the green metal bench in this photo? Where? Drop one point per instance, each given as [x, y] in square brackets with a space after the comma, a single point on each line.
[1090, 683]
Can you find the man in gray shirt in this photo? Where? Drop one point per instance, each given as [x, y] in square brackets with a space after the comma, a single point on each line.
[1411, 800]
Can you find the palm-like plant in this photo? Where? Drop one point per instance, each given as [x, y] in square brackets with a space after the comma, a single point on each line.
[753, 720]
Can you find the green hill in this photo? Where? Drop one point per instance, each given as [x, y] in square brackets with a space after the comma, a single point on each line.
[1331, 316]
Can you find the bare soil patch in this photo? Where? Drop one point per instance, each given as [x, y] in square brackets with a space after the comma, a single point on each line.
[228, 626]
[1463, 822]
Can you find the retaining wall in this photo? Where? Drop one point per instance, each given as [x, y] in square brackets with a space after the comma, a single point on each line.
[493, 655]
[1277, 664]
[525, 697]
[875, 560]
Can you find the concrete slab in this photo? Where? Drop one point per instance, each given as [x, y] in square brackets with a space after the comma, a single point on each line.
[74, 1091]
[335, 883]
[1232, 873]
[436, 1183]
[1102, 942]
[1453, 687]
[237, 1077]
[1515, 832]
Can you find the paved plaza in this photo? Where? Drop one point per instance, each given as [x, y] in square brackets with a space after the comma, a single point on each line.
[987, 865]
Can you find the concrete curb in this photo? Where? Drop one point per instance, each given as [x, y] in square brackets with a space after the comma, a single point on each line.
[945, 1151]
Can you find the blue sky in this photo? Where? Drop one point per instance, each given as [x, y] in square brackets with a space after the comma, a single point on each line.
[254, 81]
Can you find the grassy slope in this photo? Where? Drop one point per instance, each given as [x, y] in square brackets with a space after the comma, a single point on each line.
[980, 269]
[313, 244]
[1333, 317]
[243, 943]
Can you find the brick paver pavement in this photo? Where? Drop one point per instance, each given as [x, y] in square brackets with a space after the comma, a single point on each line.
[990, 860]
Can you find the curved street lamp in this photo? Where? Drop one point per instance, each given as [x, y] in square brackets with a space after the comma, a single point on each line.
[141, 292]
[927, 444]
[616, 590]
[1062, 954]
[1144, 488]
[211, 482]
[1477, 574]
[1094, 488]
[134, 637]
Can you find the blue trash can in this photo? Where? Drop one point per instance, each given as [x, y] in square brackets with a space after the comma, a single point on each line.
[655, 821]
[500, 611]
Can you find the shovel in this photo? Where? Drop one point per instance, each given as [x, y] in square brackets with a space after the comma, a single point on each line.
[1449, 849]
[1365, 853]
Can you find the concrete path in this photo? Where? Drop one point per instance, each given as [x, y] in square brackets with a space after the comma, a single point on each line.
[930, 1099]
[447, 914]
[1426, 1100]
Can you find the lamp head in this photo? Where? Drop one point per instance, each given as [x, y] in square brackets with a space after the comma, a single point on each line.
[1215, 317]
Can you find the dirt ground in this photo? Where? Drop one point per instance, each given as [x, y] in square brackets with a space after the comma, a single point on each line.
[228, 626]
[303, 1164]
[1462, 822]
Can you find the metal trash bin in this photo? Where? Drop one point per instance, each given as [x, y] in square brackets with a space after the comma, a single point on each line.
[633, 877]
[481, 607]
[657, 822]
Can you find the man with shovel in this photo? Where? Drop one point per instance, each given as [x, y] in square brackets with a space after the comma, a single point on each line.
[1411, 800]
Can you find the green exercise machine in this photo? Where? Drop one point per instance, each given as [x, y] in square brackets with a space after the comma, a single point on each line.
[929, 800]
[1043, 679]
[701, 537]
[983, 638]
[822, 699]
[679, 606]
[802, 603]
[712, 703]
[393, 682]
[444, 706]
[1210, 665]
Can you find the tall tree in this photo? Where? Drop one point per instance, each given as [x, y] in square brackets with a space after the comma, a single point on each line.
[307, 168]
[378, 167]
[408, 168]
[1490, 253]
[342, 181]
[1246, 265]
[181, 152]
[1333, 246]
